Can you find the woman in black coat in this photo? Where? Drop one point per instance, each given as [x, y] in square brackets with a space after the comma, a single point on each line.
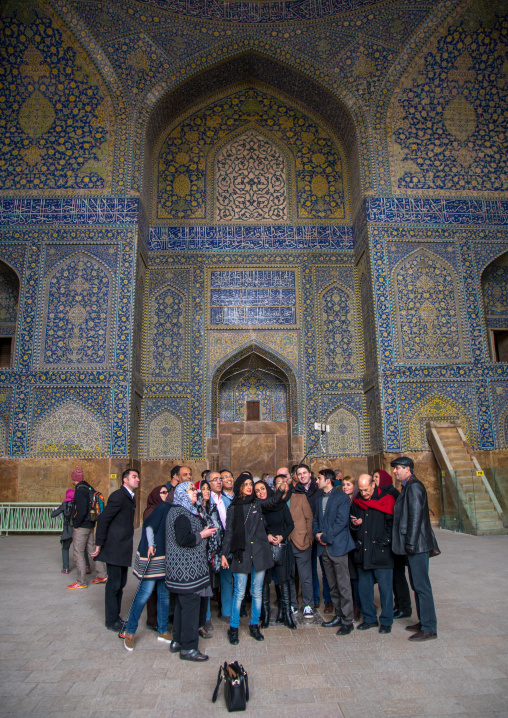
[248, 548]
[278, 524]
[187, 572]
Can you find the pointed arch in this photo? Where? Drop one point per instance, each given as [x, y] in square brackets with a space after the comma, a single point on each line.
[435, 407]
[427, 310]
[70, 429]
[164, 436]
[252, 178]
[337, 343]
[76, 331]
[240, 359]
[345, 435]
[167, 336]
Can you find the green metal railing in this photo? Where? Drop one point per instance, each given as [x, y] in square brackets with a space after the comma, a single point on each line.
[28, 517]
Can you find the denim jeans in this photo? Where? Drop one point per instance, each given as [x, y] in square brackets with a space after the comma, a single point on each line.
[145, 591]
[420, 583]
[226, 591]
[256, 589]
[384, 577]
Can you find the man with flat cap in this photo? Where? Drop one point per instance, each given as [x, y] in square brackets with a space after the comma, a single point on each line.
[413, 537]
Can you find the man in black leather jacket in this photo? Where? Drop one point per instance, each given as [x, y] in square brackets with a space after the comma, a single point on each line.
[413, 537]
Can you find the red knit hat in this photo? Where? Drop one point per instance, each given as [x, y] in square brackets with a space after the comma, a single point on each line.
[77, 474]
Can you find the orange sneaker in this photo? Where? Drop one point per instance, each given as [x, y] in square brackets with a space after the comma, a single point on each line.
[99, 580]
[77, 585]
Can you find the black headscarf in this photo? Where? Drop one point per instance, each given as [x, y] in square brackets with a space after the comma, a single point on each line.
[238, 540]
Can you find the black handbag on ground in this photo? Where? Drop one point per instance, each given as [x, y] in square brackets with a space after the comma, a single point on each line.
[279, 553]
[236, 686]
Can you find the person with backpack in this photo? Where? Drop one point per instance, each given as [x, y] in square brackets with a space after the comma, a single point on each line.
[65, 509]
[84, 517]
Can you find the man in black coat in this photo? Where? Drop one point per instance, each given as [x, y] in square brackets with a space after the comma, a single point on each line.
[372, 520]
[413, 537]
[113, 539]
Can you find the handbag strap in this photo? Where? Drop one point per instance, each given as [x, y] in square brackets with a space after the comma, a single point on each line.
[219, 681]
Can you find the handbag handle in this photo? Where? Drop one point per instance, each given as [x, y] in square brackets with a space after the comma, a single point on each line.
[219, 681]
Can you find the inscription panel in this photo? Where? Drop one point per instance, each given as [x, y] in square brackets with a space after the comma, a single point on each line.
[253, 297]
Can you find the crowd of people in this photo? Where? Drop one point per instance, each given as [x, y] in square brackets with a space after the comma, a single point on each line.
[227, 540]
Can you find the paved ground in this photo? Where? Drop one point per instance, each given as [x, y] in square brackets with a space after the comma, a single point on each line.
[57, 659]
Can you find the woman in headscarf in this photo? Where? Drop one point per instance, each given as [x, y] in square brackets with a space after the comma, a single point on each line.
[401, 593]
[156, 497]
[150, 569]
[278, 526]
[65, 509]
[209, 513]
[384, 482]
[187, 572]
[248, 548]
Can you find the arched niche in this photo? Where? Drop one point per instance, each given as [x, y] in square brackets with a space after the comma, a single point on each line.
[256, 361]
[9, 302]
[255, 69]
[70, 429]
[345, 436]
[494, 283]
[435, 407]
[164, 436]
[428, 315]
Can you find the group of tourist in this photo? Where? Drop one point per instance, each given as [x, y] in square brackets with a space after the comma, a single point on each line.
[214, 538]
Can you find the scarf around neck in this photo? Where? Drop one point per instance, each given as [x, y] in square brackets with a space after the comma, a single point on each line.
[383, 503]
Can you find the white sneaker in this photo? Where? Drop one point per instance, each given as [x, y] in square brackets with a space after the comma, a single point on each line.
[308, 612]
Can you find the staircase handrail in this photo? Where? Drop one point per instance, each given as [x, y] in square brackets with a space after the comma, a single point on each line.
[482, 476]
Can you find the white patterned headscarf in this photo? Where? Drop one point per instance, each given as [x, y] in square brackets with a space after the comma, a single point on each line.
[181, 498]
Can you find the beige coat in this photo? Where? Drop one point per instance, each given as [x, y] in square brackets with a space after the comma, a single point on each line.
[301, 513]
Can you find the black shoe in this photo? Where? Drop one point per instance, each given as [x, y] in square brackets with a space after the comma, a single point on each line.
[265, 606]
[415, 627]
[385, 629]
[193, 655]
[402, 614]
[364, 626]
[256, 633]
[336, 621]
[285, 604]
[175, 647]
[345, 629]
[233, 636]
[117, 626]
[151, 626]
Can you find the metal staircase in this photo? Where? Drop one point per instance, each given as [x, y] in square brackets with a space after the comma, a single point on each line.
[466, 492]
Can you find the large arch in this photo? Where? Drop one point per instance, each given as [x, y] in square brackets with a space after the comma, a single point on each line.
[255, 69]
[241, 359]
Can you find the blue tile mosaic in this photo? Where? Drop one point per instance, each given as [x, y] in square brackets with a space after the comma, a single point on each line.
[436, 211]
[89, 210]
[251, 238]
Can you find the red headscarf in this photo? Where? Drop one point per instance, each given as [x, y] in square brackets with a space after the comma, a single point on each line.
[153, 500]
[384, 479]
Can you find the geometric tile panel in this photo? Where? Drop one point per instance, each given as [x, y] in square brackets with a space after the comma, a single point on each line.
[337, 329]
[427, 310]
[77, 309]
[433, 408]
[165, 436]
[345, 433]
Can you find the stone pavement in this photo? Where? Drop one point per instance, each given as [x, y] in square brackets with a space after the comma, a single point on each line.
[57, 659]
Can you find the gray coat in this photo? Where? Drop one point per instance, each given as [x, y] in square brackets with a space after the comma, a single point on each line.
[412, 532]
[258, 552]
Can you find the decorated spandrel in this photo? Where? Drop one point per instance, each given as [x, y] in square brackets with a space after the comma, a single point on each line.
[255, 297]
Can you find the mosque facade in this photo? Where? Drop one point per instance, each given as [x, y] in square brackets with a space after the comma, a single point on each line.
[224, 222]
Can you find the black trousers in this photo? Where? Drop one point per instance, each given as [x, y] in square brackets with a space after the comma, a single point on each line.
[117, 578]
[402, 595]
[186, 619]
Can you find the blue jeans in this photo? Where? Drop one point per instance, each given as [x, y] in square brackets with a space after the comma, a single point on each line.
[384, 578]
[256, 588]
[145, 591]
[226, 591]
[420, 583]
